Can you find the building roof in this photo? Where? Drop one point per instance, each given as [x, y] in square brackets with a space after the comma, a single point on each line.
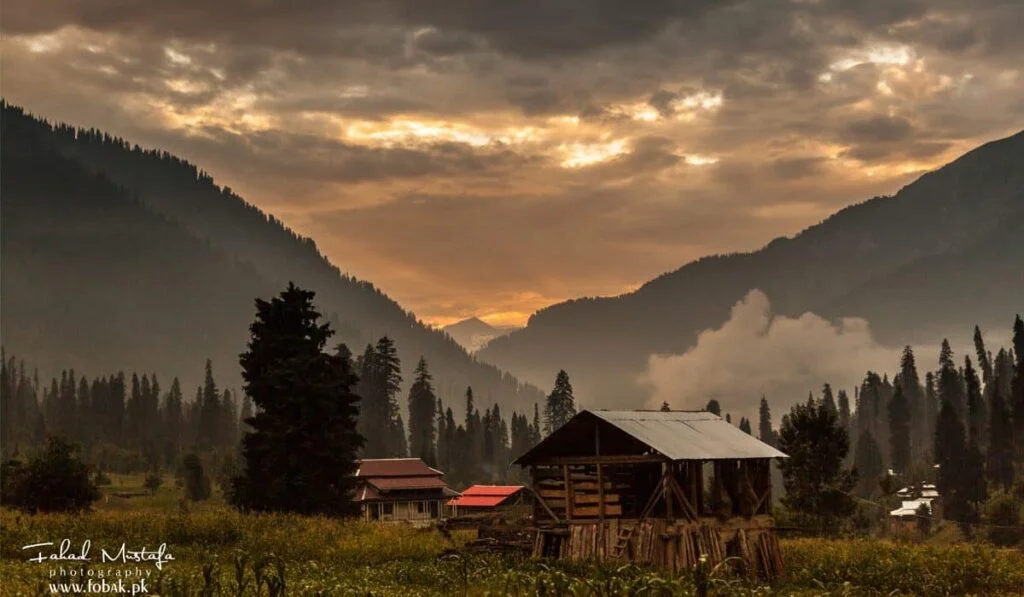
[676, 435]
[909, 507]
[485, 496]
[380, 477]
[400, 483]
[493, 490]
[395, 467]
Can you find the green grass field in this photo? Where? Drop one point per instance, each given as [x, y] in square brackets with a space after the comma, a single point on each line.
[218, 551]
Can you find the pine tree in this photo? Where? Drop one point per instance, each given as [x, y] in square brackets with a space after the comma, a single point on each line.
[714, 407]
[931, 407]
[210, 411]
[442, 446]
[1017, 387]
[665, 407]
[422, 408]
[950, 382]
[845, 416]
[977, 416]
[472, 451]
[910, 384]
[764, 426]
[950, 452]
[828, 401]
[387, 379]
[984, 362]
[745, 426]
[372, 407]
[999, 459]
[301, 454]
[899, 431]
[868, 464]
[561, 404]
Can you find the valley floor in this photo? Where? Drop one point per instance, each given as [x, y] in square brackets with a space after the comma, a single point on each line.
[218, 551]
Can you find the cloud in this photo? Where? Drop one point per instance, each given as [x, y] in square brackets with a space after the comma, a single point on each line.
[684, 128]
[758, 353]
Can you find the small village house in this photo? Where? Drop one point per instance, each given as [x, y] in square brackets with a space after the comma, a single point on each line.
[662, 488]
[504, 500]
[401, 489]
[912, 498]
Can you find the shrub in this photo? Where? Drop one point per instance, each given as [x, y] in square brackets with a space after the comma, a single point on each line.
[1002, 511]
[54, 481]
[153, 482]
[197, 484]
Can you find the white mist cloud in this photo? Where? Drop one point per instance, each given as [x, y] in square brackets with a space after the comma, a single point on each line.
[756, 352]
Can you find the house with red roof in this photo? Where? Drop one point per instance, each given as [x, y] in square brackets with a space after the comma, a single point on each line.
[479, 499]
[401, 489]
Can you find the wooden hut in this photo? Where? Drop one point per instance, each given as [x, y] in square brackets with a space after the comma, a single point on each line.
[656, 487]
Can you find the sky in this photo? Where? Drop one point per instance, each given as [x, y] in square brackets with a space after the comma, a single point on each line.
[489, 158]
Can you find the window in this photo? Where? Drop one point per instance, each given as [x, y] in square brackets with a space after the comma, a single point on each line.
[389, 508]
[419, 507]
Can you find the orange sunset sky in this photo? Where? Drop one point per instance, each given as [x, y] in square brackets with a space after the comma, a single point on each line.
[491, 157]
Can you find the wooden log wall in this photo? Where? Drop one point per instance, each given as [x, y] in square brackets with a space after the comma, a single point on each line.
[573, 491]
[674, 546]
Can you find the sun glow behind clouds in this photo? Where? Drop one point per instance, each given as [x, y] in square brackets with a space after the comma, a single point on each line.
[410, 132]
[580, 155]
[883, 55]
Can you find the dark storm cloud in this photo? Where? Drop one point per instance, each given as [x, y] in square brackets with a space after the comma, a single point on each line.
[525, 28]
[879, 128]
[799, 167]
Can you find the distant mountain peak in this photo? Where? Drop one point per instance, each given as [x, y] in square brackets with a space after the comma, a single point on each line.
[474, 333]
[473, 324]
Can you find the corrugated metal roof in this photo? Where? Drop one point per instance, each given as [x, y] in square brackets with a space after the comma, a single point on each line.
[685, 435]
[395, 467]
[478, 501]
[492, 490]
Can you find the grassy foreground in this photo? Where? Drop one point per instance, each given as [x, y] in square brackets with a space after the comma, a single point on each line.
[218, 551]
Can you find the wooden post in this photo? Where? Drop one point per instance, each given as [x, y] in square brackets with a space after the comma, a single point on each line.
[600, 494]
[665, 472]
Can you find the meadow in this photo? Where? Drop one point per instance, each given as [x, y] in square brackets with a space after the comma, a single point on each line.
[218, 551]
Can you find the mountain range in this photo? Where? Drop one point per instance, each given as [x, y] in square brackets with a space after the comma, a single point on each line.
[116, 257]
[944, 253]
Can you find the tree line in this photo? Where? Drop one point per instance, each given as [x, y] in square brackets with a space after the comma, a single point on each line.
[960, 427]
[122, 423]
[129, 424]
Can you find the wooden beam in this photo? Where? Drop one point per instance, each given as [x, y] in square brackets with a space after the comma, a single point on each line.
[610, 459]
[665, 475]
[541, 501]
[568, 491]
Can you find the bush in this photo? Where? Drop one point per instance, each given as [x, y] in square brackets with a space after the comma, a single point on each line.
[1003, 511]
[54, 481]
[197, 484]
[153, 482]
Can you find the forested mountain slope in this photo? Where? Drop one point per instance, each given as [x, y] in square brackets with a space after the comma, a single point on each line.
[209, 216]
[904, 262]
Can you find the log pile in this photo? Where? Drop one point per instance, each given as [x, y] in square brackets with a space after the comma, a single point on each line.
[674, 546]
